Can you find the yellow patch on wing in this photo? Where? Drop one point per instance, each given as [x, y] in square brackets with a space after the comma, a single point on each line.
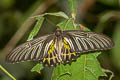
[49, 52]
[65, 41]
[52, 44]
[71, 54]
[48, 59]
[66, 45]
[51, 48]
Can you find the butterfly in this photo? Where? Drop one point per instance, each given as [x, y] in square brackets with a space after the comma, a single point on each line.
[60, 47]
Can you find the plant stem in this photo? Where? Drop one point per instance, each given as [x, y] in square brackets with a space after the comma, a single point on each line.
[4, 70]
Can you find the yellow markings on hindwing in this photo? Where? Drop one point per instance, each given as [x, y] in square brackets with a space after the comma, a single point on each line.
[49, 52]
[71, 54]
[51, 48]
[66, 45]
[65, 41]
[52, 44]
[48, 58]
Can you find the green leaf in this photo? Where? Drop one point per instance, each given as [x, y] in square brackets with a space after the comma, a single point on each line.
[61, 73]
[60, 14]
[36, 28]
[108, 71]
[67, 23]
[70, 25]
[73, 6]
[86, 67]
[37, 68]
[40, 19]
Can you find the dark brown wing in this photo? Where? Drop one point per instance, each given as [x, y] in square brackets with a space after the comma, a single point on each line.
[85, 41]
[34, 50]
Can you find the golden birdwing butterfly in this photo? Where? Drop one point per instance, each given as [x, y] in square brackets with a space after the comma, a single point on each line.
[59, 47]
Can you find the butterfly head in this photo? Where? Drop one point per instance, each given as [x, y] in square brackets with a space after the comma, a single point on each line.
[58, 32]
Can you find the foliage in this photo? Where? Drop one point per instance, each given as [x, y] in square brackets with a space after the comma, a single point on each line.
[103, 17]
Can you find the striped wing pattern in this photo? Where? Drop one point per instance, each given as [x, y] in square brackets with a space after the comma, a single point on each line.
[33, 50]
[84, 41]
[59, 47]
[51, 57]
[59, 52]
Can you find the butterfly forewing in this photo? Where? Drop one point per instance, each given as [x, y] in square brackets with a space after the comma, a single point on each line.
[30, 51]
[85, 41]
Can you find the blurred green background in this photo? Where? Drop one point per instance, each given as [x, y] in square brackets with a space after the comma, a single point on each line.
[15, 25]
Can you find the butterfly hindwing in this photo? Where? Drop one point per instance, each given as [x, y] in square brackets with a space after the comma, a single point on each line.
[59, 52]
[68, 54]
[51, 58]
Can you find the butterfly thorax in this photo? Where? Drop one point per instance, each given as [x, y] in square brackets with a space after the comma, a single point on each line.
[58, 32]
